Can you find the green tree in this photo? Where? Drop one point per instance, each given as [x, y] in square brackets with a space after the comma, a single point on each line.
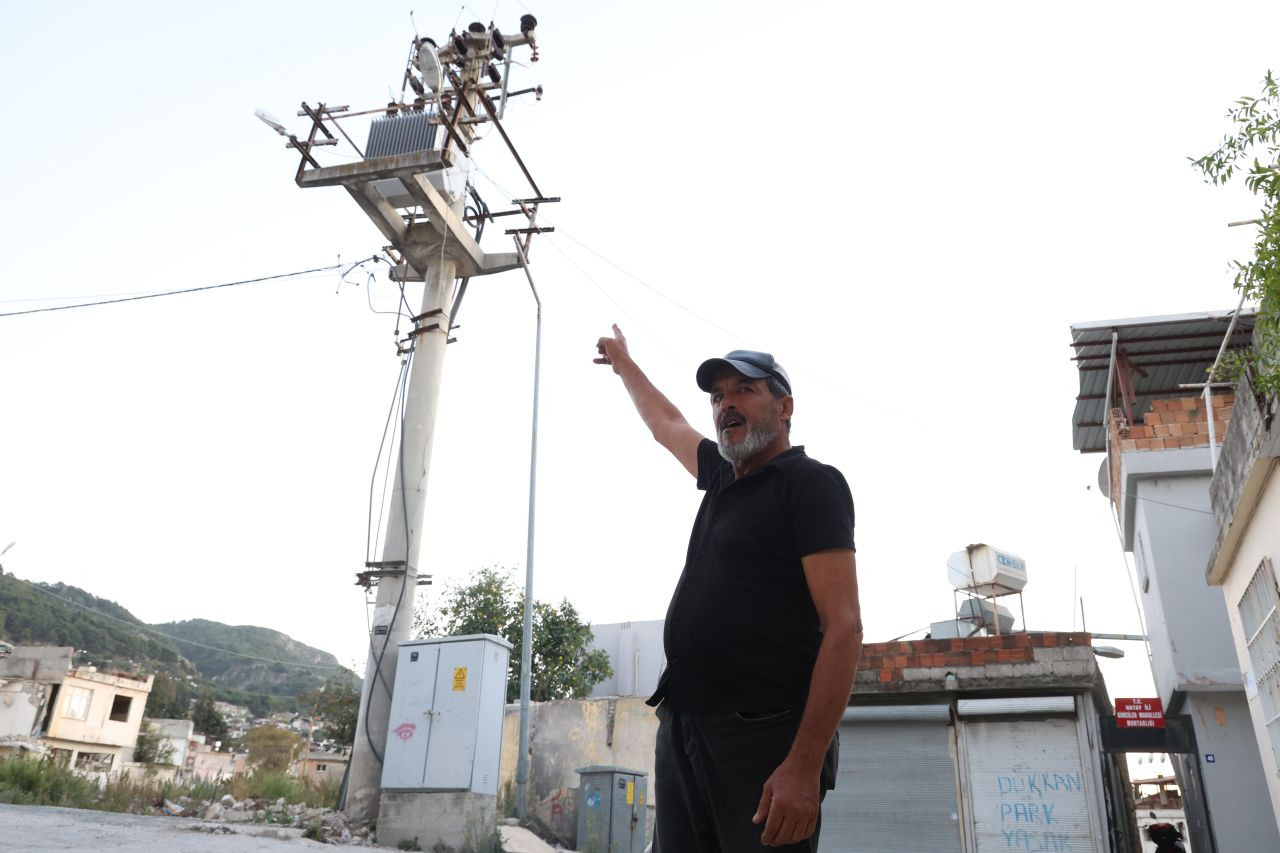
[209, 722]
[563, 664]
[170, 698]
[1256, 133]
[272, 749]
[337, 702]
[151, 748]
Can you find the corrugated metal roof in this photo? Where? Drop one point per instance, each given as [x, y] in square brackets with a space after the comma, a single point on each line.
[1171, 350]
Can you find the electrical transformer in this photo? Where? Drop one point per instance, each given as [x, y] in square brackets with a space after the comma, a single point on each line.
[445, 729]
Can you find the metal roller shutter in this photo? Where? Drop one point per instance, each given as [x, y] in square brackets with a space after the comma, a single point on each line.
[896, 786]
[1027, 787]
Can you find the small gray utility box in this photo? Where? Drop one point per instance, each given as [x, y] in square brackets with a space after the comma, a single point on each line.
[611, 810]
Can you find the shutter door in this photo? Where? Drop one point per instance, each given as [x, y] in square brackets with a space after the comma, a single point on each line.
[896, 787]
[1027, 787]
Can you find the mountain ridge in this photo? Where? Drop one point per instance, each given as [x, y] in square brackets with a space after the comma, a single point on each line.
[246, 664]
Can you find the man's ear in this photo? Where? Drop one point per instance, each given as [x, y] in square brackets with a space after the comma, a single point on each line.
[788, 406]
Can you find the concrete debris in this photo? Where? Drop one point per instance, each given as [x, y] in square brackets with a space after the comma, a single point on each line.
[281, 819]
[215, 829]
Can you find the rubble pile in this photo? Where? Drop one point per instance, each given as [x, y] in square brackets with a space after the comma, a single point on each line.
[319, 824]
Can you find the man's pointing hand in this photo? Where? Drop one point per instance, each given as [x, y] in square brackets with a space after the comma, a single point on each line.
[612, 350]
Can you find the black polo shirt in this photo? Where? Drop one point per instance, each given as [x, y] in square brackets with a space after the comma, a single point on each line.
[741, 632]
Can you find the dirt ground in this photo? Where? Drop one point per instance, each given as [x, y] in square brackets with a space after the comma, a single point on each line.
[25, 828]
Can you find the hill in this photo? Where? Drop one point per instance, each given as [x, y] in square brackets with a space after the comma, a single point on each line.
[287, 669]
[244, 664]
[99, 630]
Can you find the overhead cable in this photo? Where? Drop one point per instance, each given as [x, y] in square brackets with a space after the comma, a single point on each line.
[796, 368]
[329, 268]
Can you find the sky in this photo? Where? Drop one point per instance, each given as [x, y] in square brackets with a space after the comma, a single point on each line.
[908, 204]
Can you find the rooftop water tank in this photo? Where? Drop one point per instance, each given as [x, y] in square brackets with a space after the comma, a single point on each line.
[987, 570]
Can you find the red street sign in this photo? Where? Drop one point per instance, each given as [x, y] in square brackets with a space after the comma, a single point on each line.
[1139, 714]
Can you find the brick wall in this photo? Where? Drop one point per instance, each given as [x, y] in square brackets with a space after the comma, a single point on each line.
[1179, 422]
[889, 660]
[1010, 661]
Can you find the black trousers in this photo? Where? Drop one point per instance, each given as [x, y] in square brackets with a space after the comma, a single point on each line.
[710, 770]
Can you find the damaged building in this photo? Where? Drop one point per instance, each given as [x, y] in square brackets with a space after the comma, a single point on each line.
[85, 718]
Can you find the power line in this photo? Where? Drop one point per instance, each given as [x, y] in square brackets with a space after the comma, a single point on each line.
[139, 626]
[171, 292]
[1171, 506]
[656, 291]
[655, 338]
[796, 368]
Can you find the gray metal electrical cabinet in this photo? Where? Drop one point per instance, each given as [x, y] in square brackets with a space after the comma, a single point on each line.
[445, 728]
[611, 810]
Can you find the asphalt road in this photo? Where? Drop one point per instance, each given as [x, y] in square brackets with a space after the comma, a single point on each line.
[45, 828]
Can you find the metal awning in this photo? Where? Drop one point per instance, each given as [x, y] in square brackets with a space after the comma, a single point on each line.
[1156, 354]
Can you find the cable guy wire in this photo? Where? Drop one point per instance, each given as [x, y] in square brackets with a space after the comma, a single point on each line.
[329, 268]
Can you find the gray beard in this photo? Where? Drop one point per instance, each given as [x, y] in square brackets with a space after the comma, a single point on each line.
[757, 439]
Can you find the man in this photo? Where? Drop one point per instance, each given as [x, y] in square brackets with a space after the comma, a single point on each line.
[763, 632]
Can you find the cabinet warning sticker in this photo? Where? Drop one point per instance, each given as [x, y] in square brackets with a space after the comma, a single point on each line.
[459, 678]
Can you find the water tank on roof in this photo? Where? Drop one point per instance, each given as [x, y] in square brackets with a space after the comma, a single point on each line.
[987, 570]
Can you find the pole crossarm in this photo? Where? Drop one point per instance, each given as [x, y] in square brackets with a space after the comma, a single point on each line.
[370, 181]
[377, 168]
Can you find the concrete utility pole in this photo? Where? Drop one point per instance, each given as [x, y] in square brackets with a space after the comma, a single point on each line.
[393, 609]
[416, 192]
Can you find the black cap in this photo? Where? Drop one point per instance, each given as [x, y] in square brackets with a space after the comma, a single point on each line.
[751, 364]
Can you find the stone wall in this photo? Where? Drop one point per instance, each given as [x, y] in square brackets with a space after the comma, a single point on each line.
[1253, 434]
[571, 733]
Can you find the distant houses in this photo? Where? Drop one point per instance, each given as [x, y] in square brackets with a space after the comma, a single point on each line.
[90, 720]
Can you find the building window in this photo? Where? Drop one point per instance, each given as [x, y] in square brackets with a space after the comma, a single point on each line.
[120, 708]
[94, 762]
[78, 700]
[1260, 617]
[322, 768]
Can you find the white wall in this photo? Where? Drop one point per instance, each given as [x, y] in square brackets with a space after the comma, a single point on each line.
[1239, 803]
[1191, 645]
[635, 652]
[1168, 522]
[176, 733]
[20, 706]
[1261, 539]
